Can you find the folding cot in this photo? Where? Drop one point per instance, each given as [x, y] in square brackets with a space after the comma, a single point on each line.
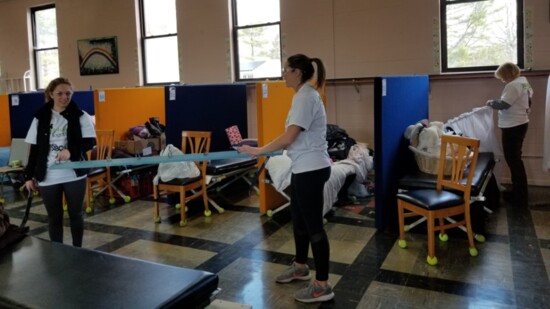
[357, 166]
[231, 170]
[236, 168]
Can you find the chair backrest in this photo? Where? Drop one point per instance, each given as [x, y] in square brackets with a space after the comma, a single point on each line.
[196, 142]
[19, 150]
[463, 152]
[105, 140]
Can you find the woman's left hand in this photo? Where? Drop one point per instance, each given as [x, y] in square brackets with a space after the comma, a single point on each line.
[63, 155]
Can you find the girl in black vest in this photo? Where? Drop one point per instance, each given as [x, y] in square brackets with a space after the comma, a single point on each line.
[60, 131]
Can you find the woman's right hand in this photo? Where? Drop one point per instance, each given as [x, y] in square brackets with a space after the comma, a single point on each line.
[246, 149]
[31, 185]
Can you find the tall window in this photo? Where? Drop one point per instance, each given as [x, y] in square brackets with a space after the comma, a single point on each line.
[479, 35]
[44, 38]
[256, 35]
[159, 41]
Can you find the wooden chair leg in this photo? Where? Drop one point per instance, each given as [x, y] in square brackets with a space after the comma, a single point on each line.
[205, 198]
[183, 220]
[401, 214]
[431, 259]
[88, 196]
[472, 249]
[156, 200]
[109, 186]
[442, 234]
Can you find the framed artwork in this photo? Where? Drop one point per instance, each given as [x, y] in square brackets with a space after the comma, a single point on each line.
[98, 56]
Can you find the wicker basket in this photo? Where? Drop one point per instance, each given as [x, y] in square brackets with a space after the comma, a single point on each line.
[429, 163]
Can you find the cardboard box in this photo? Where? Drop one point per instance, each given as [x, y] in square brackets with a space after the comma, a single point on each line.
[142, 146]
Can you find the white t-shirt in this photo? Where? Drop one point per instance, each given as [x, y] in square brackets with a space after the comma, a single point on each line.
[58, 142]
[517, 94]
[309, 151]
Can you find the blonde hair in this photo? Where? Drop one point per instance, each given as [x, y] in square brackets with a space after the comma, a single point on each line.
[507, 71]
[53, 84]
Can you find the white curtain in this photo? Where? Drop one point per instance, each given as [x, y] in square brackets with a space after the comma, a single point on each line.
[546, 142]
[478, 123]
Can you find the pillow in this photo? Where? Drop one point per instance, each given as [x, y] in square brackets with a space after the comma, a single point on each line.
[279, 171]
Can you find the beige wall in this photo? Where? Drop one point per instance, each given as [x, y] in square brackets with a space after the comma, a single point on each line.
[204, 40]
[356, 39]
[95, 19]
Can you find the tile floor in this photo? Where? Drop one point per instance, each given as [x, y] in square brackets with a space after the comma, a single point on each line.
[368, 269]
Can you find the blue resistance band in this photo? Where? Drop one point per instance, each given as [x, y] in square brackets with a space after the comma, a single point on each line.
[157, 159]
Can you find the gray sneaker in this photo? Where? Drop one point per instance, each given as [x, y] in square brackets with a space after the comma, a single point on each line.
[313, 293]
[294, 273]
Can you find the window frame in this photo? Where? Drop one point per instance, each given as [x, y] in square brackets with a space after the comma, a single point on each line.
[443, 28]
[235, 39]
[143, 40]
[37, 50]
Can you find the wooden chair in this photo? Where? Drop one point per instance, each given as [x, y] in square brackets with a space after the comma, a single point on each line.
[100, 178]
[450, 198]
[191, 142]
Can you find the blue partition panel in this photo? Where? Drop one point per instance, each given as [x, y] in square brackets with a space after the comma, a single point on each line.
[22, 108]
[399, 101]
[205, 108]
[24, 105]
[85, 100]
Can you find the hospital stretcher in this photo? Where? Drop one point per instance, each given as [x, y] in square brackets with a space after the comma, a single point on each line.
[480, 181]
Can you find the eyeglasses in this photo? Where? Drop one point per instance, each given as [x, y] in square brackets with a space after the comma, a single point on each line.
[284, 70]
[60, 94]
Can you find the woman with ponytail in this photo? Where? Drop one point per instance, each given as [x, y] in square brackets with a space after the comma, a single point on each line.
[305, 142]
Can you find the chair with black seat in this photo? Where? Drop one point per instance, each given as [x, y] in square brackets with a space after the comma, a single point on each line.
[451, 197]
[192, 142]
[100, 178]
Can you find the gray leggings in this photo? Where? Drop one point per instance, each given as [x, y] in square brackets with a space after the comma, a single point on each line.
[52, 196]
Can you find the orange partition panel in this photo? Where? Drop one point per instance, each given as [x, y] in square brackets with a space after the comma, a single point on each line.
[5, 129]
[121, 109]
[273, 101]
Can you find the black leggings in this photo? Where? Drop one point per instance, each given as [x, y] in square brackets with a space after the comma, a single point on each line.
[306, 204]
[52, 196]
[512, 144]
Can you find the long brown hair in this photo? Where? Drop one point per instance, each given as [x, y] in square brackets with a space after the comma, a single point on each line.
[53, 84]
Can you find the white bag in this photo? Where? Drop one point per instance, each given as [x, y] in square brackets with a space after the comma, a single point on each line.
[172, 170]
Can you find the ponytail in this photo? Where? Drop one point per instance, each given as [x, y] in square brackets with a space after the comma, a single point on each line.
[305, 64]
[321, 74]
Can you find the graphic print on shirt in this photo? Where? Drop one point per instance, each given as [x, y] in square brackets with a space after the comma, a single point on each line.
[58, 136]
